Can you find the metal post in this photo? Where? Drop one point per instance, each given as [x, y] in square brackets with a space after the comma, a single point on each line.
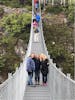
[60, 69]
[61, 2]
[64, 2]
[44, 3]
[16, 84]
[52, 2]
[68, 86]
[68, 75]
[10, 86]
[51, 60]
[69, 2]
[54, 64]
[74, 43]
[9, 75]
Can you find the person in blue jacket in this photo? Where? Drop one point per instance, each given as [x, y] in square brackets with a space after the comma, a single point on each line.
[37, 17]
[30, 65]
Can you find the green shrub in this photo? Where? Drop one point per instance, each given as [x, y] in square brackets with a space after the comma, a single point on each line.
[61, 35]
[16, 3]
[54, 9]
[14, 24]
[69, 12]
[1, 12]
[17, 27]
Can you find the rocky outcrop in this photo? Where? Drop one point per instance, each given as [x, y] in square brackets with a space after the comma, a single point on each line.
[20, 48]
[54, 19]
[9, 10]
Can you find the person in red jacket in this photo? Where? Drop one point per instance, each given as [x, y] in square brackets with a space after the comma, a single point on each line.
[35, 1]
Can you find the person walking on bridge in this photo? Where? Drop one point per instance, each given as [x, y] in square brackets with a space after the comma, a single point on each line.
[35, 1]
[37, 69]
[44, 70]
[35, 24]
[36, 4]
[37, 17]
[30, 65]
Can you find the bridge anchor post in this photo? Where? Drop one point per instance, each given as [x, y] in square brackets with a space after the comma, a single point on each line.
[68, 75]
[10, 86]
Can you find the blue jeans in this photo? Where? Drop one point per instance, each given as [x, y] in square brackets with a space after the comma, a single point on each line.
[37, 76]
[30, 76]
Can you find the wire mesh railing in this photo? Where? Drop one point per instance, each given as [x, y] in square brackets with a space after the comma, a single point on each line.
[13, 88]
[61, 87]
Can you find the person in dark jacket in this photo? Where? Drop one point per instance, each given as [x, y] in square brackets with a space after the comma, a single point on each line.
[37, 69]
[44, 70]
[30, 65]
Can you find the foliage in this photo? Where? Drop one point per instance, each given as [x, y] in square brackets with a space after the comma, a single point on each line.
[16, 3]
[1, 12]
[58, 40]
[15, 27]
[54, 9]
[69, 11]
[15, 24]
[8, 58]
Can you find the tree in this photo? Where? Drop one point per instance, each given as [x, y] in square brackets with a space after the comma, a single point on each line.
[15, 27]
[14, 24]
[58, 38]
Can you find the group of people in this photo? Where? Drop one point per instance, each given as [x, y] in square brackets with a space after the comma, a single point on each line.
[36, 19]
[37, 64]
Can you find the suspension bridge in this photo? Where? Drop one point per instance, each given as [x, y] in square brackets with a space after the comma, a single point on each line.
[60, 86]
